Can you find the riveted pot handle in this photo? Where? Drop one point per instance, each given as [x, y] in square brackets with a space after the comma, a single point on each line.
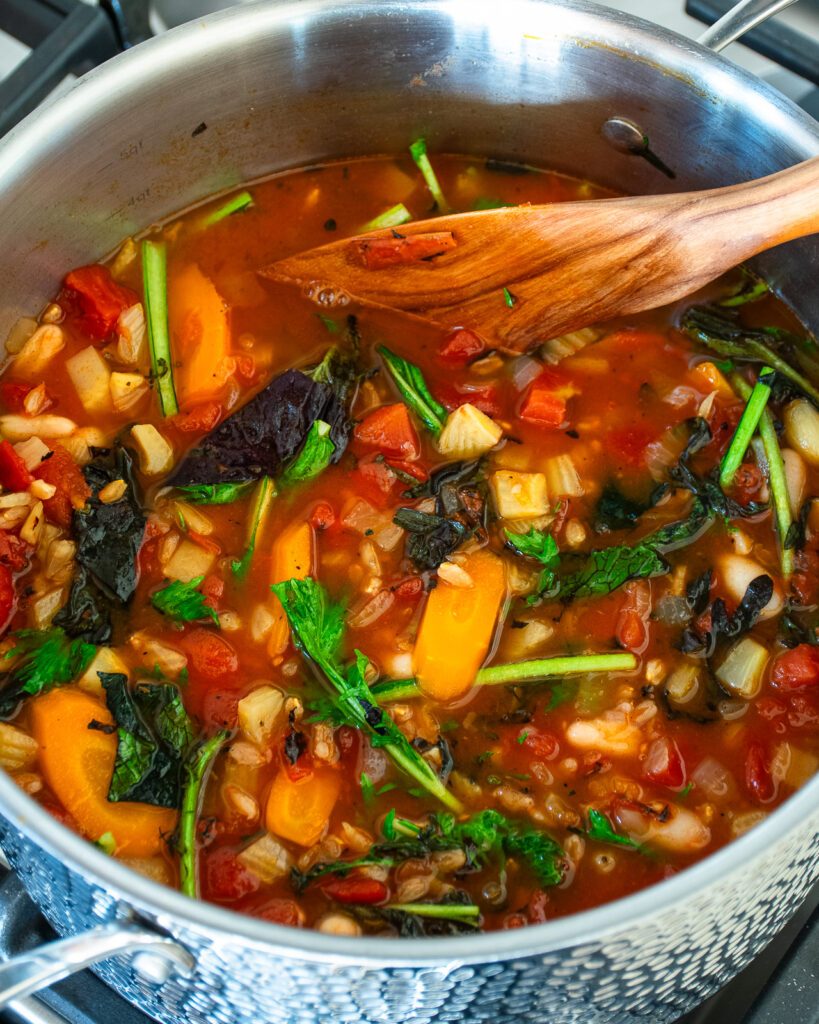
[50, 963]
[747, 14]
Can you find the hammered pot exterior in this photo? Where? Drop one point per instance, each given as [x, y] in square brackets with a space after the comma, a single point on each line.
[279, 85]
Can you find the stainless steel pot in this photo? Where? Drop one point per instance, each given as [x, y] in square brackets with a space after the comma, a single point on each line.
[280, 85]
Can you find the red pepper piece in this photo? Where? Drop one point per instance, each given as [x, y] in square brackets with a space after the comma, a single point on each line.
[377, 253]
[14, 475]
[796, 669]
[98, 297]
[356, 890]
[460, 347]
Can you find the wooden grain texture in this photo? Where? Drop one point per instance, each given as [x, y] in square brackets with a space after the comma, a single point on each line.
[566, 265]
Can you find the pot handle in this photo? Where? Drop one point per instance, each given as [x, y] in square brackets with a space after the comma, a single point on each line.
[156, 957]
[747, 14]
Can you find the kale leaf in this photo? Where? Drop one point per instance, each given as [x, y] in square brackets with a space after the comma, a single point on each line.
[432, 538]
[214, 494]
[270, 430]
[615, 511]
[606, 569]
[542, 547]
[44, 658]
[728, 627]
[154, 735]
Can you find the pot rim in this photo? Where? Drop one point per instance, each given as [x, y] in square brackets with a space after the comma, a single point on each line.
[207, 37]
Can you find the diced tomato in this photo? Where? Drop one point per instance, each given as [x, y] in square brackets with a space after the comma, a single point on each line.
[356, 890]
[210, 656]
[98, 298]
[758, 778]
[543, 745]
[200, 419]
[14, 552]
[394, 250]
[747, 483]
[13, 473]
[13, 395]
[280, 910]
[213, 587]
[805, 579]
[218, 709]
[72, 491]
[629, 444]
[225, 877]
[632, 622]
[389, 430]
[8, 597]
[796, 669]
[664, 764]
[323, 516]
[460, 347]
[722, 420]
[376, 482]
[485, 397]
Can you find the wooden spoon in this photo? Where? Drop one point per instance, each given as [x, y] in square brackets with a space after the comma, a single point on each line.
[520, 275]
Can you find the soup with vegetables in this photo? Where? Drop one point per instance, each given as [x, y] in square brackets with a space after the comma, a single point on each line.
[342, 621]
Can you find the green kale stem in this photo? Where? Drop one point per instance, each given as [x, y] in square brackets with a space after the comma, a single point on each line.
[746, 428]
[259, 508]
[241, 201]
[391, 218]
[447, 911]
[418, 149]
[536, 671]
[155, 286]
[776, 475]
[186, 846]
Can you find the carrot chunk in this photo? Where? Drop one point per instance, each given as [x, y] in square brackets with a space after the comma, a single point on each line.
[299, 809]
[200, 336]
[293, 557]
[389, 430]
[457, 628]
[77, 763]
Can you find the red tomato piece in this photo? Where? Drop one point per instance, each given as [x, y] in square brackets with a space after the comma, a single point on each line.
[210, 656]
[375, 481]
[13, 473]
[632, 622]
[245, 368]
[389, 430]
[356, 890]
[200, 419]
[805, 580]
[280, 911]
[409, 589]
[796, 669]
[460, 347]
[323, 516]
[484, 397]
[392, 251]
[14, 552]
[543, 745]
[629, 444]
[13, 395]
[72, 491]
[226, 878]
[98, 298]
[219, 709]
[8, 597]
[537, 910]
[213, 587]
[758, 778]
[747, 483]
[664, 764]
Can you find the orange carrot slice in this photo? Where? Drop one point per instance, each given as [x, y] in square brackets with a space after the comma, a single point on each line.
[457, 628]
[299, 809]
[77, 763]
[293, 558]
[200, 336]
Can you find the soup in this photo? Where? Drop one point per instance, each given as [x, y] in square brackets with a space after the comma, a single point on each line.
[344, 621]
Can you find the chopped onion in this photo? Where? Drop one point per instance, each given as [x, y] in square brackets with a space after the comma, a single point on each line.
[672, 610]
[524, 371]
[714, 779]
[372, 610]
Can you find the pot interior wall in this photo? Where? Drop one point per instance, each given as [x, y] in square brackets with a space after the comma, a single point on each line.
[284, 85]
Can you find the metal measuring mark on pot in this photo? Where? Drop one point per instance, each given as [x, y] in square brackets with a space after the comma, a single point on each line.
[627, 137]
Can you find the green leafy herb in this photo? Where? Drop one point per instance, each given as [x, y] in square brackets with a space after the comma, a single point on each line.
[392, 218]
[259, 509]
[509, 298]
[196, 772]
[601, 830]
[43, 658]
[155, 286]
[542, 547]
[724, 335]
[746, 428]
[318, 629]
[315, 456]
[332, 326]
[367, 788]
[683, 793]
[183, 601]
[154, 734]
[241, 201]
[418, 150]
[432, 538]
[413, 388]
[607, 569]
[215, 494]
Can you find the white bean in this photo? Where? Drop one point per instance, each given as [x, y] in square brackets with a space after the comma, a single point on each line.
[802, 429]
[796, 476]
[736, 572]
